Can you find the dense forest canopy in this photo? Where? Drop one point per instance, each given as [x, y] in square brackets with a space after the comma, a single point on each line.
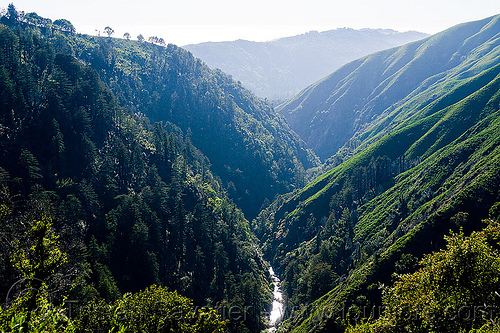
[131, 173]
[249, 146]
[132, 203]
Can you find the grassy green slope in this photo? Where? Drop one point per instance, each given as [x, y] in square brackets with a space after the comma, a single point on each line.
[433, 154]
[360, 95]
[462, 177]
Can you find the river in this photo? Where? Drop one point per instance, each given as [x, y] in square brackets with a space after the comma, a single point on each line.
[277, 310]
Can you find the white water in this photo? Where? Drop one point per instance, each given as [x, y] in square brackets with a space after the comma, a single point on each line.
[277, 310]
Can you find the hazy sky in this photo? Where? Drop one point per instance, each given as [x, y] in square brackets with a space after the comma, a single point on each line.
[182, 22]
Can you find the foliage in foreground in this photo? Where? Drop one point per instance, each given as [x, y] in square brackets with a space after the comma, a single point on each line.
[153, 310]
[455, 289]
[33, 306]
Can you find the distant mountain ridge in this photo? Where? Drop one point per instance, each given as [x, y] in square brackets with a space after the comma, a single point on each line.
[280, 68]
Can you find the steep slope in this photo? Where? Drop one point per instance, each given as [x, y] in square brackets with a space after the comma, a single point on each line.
[362, 93]
[250, 147]
[429, 298]
[280, 68]
[429, 164]
[133, 204]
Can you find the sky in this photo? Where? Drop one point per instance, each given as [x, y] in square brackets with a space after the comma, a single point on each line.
[184, 22]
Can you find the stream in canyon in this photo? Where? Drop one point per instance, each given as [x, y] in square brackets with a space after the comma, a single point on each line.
[277, 309]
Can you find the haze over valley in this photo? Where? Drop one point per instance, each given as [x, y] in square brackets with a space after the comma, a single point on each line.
[279, 69]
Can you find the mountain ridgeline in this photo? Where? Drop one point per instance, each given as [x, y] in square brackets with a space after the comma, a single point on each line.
[415, 133]
[280, 68]
[129, 173]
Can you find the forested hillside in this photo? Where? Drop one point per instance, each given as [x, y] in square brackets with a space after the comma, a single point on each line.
[425, 160]
[97, 201]
[280, 68]
[250, 147]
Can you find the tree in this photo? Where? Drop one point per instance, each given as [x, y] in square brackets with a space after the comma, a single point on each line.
[153, 39]
[37, 263]
[45, 318]
[109, 31]
[36, 20]
[37, 259]
[318, 279]
[161, 41]
[153, 310]
[12, 14]
[141, 38]
[126, 36]
[65, 26]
